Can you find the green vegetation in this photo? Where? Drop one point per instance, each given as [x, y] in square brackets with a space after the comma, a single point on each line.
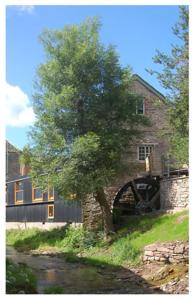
[174, 77]
[19, 279]
[54, 290]
[83, 97]
[125, 247]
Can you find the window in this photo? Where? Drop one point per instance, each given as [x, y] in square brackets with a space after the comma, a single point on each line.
[50, 211]
[19, 192]
[37, 194]
[144, 151]
[50, 193]
[140, 107]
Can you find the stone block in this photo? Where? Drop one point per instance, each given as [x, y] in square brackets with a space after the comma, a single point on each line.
[163, 249]
[149, 253]
[151, 247]
[179, 249]
[157, 258]
[163, 259]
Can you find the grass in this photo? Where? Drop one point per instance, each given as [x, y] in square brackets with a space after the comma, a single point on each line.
[54, 290]
[125, 247]
[19, 279]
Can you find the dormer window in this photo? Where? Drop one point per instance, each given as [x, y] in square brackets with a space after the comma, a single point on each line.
[140, 109]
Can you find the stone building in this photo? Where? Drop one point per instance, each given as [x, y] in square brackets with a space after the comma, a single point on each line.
[12, 162]
[152, 143]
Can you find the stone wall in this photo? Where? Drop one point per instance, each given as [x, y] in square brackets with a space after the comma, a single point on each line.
[91, 211]
[174, 192]
[156, 112]
[155, 109]
[172, 252]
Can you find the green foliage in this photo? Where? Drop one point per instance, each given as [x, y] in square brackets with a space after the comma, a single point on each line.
[19, 278]
[180, 148]
[54, 290]
[175, 78]
[125, 247]
[25, 157]
[148, 230]
[85, 111]
[71, 239]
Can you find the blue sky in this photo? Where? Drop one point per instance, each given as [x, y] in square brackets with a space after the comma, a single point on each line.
[136, 31]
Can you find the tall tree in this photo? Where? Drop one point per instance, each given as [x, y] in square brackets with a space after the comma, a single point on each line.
[85, 114]
[174, 78]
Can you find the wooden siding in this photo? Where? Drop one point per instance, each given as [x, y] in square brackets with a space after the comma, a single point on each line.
[28, 211]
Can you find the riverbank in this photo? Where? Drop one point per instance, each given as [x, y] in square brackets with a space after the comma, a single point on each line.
[118, 260]
[124, 248]
[55, 275]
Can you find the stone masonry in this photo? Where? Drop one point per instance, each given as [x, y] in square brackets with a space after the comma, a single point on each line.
[174, 192]
[171, 252]
[91, 211]
[155, 109]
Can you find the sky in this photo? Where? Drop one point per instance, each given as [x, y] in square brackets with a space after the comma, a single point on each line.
[135, 31]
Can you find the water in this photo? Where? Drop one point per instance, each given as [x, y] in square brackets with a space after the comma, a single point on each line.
[77, 278]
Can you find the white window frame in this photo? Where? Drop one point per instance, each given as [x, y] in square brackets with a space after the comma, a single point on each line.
[138, 151]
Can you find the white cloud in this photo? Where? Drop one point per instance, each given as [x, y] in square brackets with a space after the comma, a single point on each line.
[25, 9]
[18, 112]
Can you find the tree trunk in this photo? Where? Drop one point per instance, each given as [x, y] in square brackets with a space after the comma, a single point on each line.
[106, 212]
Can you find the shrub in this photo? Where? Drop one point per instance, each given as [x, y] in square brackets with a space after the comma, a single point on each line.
[54, 290]
[19, 278]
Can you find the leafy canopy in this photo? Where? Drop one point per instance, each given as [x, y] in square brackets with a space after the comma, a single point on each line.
[85, 110]
[175, 78]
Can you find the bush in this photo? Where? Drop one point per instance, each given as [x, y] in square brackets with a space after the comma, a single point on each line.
[54, 290]
[19, 279]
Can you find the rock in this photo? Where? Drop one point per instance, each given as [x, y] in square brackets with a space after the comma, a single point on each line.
[163, 259]
[179, 249]
[156, 258]
[149, 253]
[151, 247]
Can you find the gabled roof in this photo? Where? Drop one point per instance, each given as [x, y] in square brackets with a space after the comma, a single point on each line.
[148, 86]
[11, 148]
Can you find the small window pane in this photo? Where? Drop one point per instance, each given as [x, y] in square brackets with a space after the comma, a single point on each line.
[50, 193]
[51, 211]
[19, 185]
[140, 107]
[37, 193]
[19, 196]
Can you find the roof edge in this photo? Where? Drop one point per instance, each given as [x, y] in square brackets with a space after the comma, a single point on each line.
[148, 86]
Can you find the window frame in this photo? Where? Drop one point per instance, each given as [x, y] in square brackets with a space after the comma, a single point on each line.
[20, 201]
[144, 146]
[33, 195]
[48, 207]
[50, 198]
[143, 105]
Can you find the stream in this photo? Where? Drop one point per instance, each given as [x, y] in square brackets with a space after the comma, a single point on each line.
[78, 278]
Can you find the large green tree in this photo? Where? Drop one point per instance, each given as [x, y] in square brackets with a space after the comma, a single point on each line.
[174, 77]
[85, 114]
